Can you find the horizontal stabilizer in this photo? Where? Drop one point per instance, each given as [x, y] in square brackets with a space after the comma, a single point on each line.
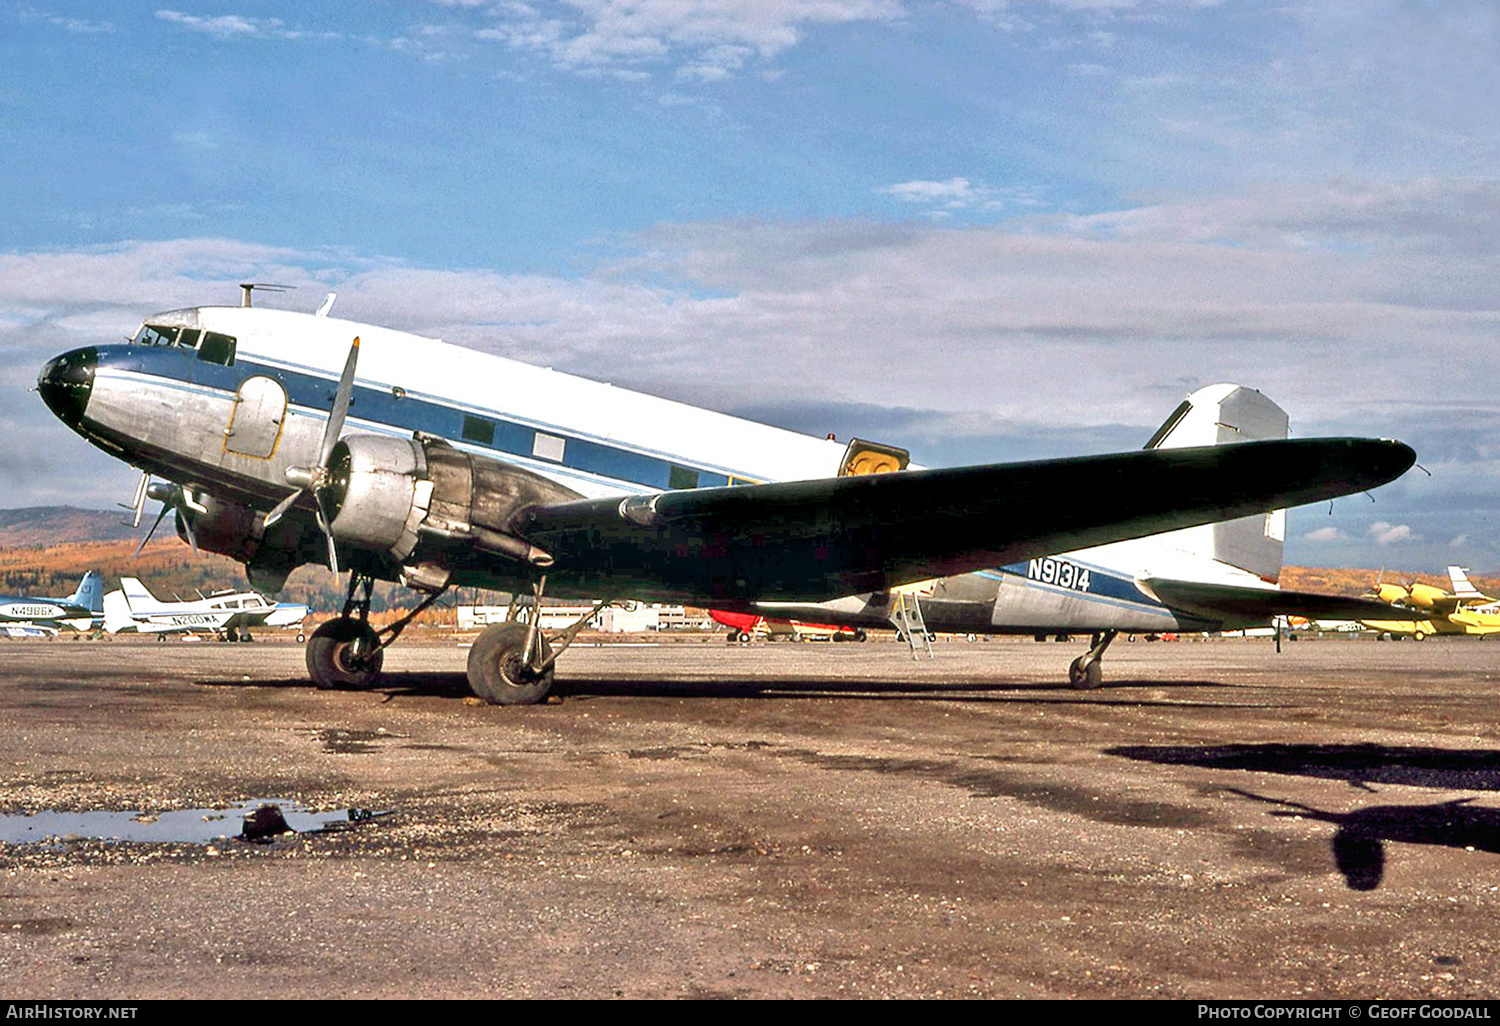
[819, 539]
[1234, 607]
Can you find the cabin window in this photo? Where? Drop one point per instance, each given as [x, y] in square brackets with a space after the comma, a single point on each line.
[477, 429]
[216, 348]
[681, 477]
[189, 338]
[548, 447]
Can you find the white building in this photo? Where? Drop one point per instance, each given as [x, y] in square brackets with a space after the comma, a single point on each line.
[630, 618]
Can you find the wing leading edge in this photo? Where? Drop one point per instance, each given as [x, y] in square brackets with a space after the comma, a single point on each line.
[819, 539]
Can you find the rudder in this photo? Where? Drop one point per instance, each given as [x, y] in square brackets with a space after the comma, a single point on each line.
[1221, 415]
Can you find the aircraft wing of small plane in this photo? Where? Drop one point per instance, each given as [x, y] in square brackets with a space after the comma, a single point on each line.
[1235, 606]
[813, 540]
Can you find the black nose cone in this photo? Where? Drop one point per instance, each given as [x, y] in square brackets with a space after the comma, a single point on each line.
[65, 384]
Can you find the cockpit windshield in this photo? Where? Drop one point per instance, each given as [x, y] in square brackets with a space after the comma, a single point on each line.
[212, 346]
[156, 335]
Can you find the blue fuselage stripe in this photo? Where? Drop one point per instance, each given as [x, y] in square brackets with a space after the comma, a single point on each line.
[408, 413]
[1102, 585]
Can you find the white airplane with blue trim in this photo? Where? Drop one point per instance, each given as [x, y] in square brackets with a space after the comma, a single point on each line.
[283, 438]
[229, 614]
[22, 617]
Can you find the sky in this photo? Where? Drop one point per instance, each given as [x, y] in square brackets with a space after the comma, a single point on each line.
[987, 230]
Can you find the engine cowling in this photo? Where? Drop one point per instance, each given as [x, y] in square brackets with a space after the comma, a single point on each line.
[421, 503]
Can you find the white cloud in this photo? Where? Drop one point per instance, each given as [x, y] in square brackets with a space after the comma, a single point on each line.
[81, 26]
[239, 26]
[706, 41]
[1325, 534]
[954, 190]
[224, 26]
[1382, 533]
[960, 193]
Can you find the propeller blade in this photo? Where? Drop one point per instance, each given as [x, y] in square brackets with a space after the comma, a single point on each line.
[279, 510]
[159, 518]
[341, 400]
[187, 529]
[333, 551]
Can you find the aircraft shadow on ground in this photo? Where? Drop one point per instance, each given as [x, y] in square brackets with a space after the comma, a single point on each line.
[455, 685]
[1358, 848]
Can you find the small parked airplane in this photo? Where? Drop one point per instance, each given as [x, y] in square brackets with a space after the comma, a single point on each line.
[22, 617]
[1465, 611]
[228, 614]
[745, 626]
[465, 469]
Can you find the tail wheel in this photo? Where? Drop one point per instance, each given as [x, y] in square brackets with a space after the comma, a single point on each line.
[342, 653]
[499, 672]
[1085, 674]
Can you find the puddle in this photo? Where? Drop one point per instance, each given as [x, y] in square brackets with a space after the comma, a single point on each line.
[180, 826]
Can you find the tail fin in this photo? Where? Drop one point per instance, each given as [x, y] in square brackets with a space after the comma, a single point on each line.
[90, 592]
[117, 613]
[137, 598]
[1462, 589]
[1219, 415]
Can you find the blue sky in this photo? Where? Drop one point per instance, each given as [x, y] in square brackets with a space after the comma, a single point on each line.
[988, 230]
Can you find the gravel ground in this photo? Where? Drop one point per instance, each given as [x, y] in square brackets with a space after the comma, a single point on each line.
[813, 820]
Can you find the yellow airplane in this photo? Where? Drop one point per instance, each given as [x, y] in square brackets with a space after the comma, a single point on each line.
[1464, 611]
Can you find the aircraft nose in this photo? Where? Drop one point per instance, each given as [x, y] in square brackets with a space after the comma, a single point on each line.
[65, 384]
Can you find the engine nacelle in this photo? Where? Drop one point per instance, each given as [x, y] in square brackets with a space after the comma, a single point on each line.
[379, 493]
[269, 554]
[1425, 596]
[423, 504]
[222, 527]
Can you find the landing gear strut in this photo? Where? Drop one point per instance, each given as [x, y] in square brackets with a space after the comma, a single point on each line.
[1085, 674]
[348, 652]
[511, 663]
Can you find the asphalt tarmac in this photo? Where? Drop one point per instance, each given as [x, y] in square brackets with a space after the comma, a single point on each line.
[782, 820]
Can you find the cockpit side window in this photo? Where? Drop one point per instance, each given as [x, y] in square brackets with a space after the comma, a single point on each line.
[216, 348]
[189, 338]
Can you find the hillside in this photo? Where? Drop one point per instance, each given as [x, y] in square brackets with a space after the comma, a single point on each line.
[45, 550]
[40, 526]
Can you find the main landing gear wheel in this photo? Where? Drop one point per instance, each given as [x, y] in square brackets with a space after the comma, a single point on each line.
[342, 654]
[1085, 674]
[499, 672]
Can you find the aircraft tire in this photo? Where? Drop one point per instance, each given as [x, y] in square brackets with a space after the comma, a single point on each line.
[1419, 635]
[497, 673]
[329, 653]
[860, 635]
[1085, 677]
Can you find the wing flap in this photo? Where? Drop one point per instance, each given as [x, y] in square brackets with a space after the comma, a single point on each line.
[1234, 607]
[815, 540]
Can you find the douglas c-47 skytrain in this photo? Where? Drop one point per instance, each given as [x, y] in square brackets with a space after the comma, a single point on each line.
[283, 438]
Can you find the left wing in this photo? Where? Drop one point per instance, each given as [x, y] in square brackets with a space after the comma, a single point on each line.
[816, 540]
